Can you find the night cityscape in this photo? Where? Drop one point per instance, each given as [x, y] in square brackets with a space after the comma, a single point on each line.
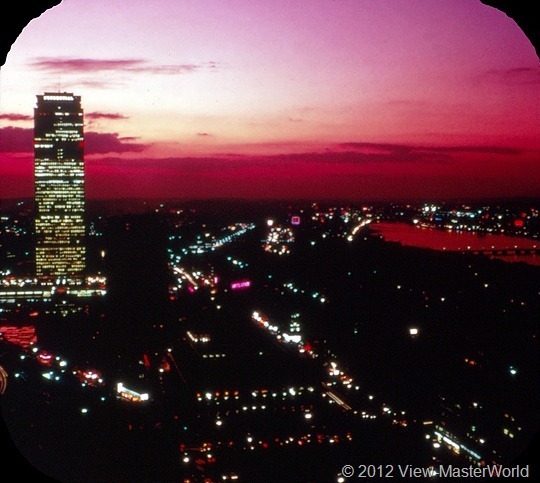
[274, 340]
[259, 286]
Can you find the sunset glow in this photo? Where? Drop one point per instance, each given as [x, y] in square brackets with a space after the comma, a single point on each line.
[321, 99]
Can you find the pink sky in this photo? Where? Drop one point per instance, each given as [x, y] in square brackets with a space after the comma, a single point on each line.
[312, 99]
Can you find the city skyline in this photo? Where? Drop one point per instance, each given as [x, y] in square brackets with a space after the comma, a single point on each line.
[278, 343]
[339, 100]
[269, 241]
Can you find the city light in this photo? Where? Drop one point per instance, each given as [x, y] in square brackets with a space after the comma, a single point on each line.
[129, 394]
[298, 358]
[241, 285]
[59, 188]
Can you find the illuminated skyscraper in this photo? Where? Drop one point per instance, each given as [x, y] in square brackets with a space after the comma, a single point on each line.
[59, 188]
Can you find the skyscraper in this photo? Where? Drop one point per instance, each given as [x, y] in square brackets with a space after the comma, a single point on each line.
[59, 189]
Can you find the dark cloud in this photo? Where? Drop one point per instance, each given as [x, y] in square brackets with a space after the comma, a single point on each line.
[81, 65]
[103, 115]
[86, 65]
[232, 163]
[353, 153]
[515, 75]
[21, 140]
[16, 140]
[97, 84]
[378, 155]
[190, 164]
[16, 117]
[422, 151]
[96, 143]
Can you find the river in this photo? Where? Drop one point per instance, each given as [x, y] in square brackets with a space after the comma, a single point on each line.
[443, 240]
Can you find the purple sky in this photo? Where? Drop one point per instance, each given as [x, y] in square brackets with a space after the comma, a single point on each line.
[316, 99]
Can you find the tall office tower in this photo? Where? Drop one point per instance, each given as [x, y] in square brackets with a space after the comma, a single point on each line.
[59, 189]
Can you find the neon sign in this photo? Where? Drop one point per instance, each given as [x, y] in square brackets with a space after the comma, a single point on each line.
[241, 285]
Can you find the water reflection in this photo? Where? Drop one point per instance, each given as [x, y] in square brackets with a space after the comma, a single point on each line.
[434, 239]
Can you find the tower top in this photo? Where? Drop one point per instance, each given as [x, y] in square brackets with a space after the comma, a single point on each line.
[58, 96]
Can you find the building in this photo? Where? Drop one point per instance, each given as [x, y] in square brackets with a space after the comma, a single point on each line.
[59, 195]
[59, 189]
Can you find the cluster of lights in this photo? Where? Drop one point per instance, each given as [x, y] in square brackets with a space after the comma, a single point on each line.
[11, 296]
[89, 377]
[44, 358]
[451, 442]
[217, 395]
[315, 295]
[484, 219]
[298, 440]
[198, 338]
[236, 231]
[511, 421]
[17, 282]
[346, 380]
[254, 407]
[283, 393]
[237, 263]
[294, 325]
[210, 242]
[357, 228]
[14, 228]
[333, 369]
[346, 214]
[96, 280]
[295, 339]
[51, 376]
[278, 240]
[129, 394]
[322, 216]
[366, 415]
[250, 442]
[195, 278]
[387, 411]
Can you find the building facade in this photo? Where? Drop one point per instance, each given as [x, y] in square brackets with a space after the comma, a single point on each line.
[59, 191]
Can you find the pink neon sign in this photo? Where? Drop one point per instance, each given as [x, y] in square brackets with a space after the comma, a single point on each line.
[240, 285]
